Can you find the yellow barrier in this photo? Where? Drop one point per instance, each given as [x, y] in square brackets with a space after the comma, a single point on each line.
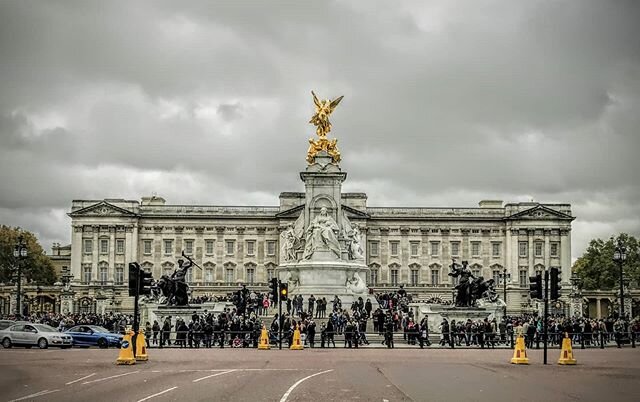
[297, 342]
[126, 350]
[520, 352]
[141, 347]
[264, 340]
[566, 354]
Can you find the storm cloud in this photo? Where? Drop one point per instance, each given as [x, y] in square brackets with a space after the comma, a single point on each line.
[446, 103]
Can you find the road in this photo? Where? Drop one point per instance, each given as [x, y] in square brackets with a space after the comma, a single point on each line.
[317, 375]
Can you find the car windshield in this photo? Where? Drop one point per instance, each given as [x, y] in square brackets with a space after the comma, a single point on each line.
[96, 328]
[44, 328]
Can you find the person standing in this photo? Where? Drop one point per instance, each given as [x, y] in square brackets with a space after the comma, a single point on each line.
[156, 330]
[312, 303]
[311, 333]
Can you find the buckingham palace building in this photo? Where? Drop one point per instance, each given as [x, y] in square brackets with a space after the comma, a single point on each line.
[237, 245]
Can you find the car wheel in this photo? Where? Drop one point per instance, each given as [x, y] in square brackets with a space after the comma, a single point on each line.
[6, 343]
[102, 343]
[42, 343]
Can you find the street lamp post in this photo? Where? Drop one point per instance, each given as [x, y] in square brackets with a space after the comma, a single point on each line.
[619, 256]
[19, 252]
[505, 277]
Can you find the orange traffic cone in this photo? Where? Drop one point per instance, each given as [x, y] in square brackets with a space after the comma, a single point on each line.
[566, 354]
[126, 350]
[520, 352]
[297, 342]
[264, 340]
[141, 347]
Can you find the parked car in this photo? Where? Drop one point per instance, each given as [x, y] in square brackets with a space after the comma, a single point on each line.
[30, 334]
[93, 335]
[4, 324]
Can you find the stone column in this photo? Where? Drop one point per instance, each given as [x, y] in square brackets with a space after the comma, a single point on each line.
[76, 253]
[95, 255]
[598, 312]
[530, 250]
[565, 254]
[383, 251]
[112, 254]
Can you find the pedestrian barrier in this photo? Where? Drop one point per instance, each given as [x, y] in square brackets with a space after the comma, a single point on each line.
[566, 354]
[141, 348]
[264, 340]
[297, 342]
[125, 355]
[520, 352]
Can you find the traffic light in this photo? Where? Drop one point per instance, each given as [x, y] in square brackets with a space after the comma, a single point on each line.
[554, 290]
[145, 283]
[535, 287]
[284, 291]
[273, 288]
[134, 274]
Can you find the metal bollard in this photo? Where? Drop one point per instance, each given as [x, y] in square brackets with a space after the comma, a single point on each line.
[633, 339]
[511, 335]
[601, 340]
[582, 341]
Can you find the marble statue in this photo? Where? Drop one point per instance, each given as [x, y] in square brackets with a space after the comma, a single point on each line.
[356, 285]
[321, 234]
[288, 241]
[354, 247]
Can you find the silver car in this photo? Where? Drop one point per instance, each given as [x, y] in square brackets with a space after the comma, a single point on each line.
[29, 335]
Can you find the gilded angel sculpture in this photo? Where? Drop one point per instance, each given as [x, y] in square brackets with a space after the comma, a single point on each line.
[320, 119]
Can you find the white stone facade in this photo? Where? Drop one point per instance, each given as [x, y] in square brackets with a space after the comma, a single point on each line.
[233, 245]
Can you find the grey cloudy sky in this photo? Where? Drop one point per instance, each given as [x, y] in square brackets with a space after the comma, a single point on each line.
[446, 103]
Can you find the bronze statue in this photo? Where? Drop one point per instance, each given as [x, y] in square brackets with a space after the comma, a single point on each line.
[175, 288]
[468, 291]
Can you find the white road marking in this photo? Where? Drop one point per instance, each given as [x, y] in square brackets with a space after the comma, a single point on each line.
[80, 379]
[159, 393]
[286, 394]
[108, 378]
[37, 394]
[214, 375]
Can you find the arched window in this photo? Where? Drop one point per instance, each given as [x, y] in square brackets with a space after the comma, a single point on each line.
[103, 273]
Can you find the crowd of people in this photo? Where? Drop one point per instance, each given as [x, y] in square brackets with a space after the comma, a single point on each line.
[241, 325]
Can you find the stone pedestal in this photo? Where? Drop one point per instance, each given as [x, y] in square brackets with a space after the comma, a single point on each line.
[437, 312]
[66, 302]
[327, 279]
[153, 311]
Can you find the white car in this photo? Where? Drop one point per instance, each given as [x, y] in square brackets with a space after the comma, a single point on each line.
[29, 335]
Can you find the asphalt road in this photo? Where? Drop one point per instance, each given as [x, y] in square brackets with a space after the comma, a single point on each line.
[317, 375]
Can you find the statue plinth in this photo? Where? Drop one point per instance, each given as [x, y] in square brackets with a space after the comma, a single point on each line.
[345, 279]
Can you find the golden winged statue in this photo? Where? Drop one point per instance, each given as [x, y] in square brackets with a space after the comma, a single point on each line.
[320, 119]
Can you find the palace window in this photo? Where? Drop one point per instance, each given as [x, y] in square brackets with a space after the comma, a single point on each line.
[435, 248]
[104, 271]
[522, 248]
[476, 272]
[394, 247]
[373, 277]
[271, 247]
[538, 248]
[188, 247]
[104, 246]
[168, 247]
[554, 249]
[88, 246]
[209, 247]
[435, 276]
[251, 274]
[394, 277]
[231, 247]
[229, 275]
[495, 249]
[270, 274]
[373, 248]
[146, 247]
[496, 277]
[208, 275]
[523, 277]
[189, 276]
[475, 230]
[251, 247]
[120, 246]
[119, 279]
[415, 277]
[86, 274]
[455, 248]
[415, 247]
[475, 249]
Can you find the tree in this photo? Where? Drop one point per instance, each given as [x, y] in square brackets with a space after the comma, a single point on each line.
[36, 267]
[597, 268]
